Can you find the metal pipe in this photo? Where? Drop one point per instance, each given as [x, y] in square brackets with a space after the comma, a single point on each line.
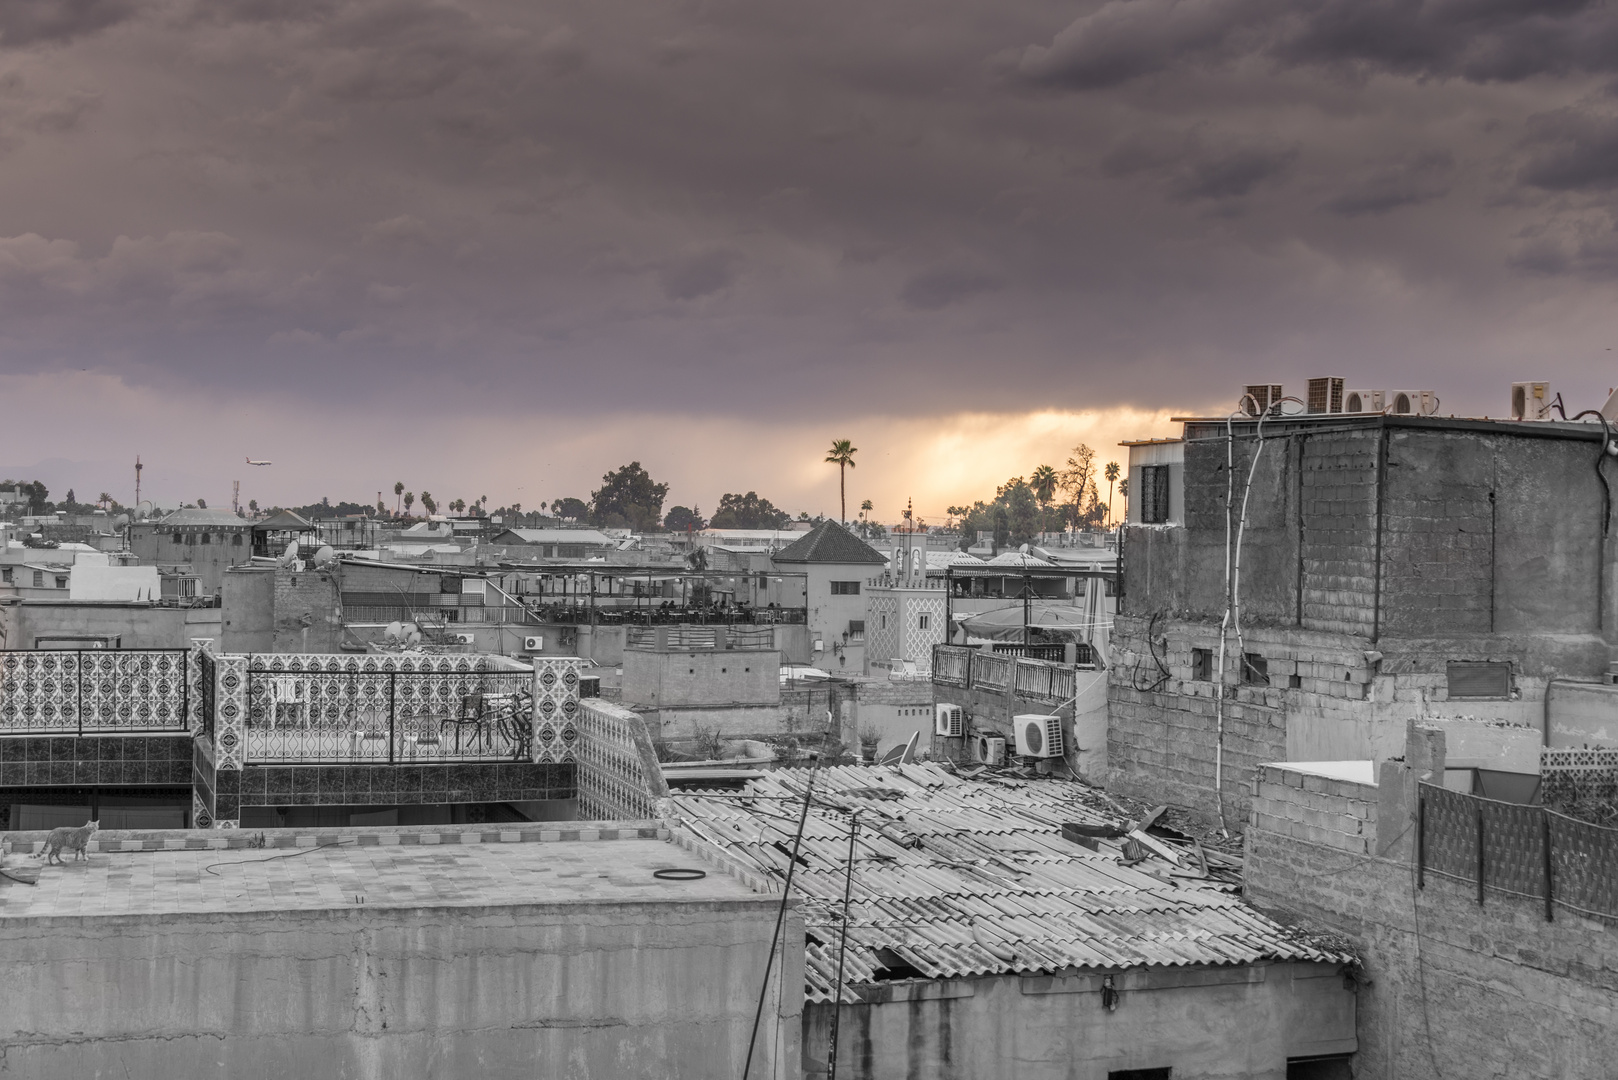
[842, 948]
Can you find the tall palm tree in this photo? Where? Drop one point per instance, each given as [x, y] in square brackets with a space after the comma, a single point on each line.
[410, 498]
[1111, 473]
[865, 517]
[1043, 481]
[398, 490]
[841, 455]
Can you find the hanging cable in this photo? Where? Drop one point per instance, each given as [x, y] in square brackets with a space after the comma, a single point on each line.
[780, 915]
[842, 948]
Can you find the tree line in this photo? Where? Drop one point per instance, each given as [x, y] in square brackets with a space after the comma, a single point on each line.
[1023, 508]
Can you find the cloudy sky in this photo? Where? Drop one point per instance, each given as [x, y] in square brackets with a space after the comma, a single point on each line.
[498, 248]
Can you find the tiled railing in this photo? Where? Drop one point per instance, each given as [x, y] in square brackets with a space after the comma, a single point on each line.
[94, 691]
[619, 777]
[991, 672]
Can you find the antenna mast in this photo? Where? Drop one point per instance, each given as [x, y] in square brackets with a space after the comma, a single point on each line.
[236, 496]
[138, 467]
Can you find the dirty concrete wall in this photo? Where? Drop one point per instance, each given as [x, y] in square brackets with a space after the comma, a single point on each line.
[678, 678]
[48, 625]
[248, 610]
[1203, 1023]
[1456, 989]
[308, 611]
[597, 990]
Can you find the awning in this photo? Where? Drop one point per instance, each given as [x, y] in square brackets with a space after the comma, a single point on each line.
[1005, 624]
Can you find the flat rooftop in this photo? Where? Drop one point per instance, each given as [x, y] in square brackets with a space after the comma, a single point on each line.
[361, 868]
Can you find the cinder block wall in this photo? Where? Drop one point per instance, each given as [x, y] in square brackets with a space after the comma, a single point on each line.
[1455, 989]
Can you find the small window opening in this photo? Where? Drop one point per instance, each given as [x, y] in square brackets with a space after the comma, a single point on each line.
[1255, 670]
[1202, 664]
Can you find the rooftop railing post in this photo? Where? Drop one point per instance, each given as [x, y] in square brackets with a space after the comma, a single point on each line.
[393, 678]
[1480, 856]
[1421, 840]
[79, 681]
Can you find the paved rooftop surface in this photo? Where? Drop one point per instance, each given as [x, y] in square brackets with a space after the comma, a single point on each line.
[436, 875]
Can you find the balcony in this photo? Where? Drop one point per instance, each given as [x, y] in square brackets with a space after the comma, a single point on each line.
[95, 691]
[1045, 681]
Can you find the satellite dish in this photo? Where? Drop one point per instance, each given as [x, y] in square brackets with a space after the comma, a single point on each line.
[1023, 550]
[325, 556]
[394, 631]
[144, 509]
[290, 555]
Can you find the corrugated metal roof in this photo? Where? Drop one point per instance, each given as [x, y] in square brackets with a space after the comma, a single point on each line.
[952, 875]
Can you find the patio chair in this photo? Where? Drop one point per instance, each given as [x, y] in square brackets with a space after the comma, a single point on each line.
[288, 691]
[909, 670]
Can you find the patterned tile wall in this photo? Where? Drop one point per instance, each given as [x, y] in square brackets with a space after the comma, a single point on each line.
[390, 785]
[121, 760]
[619, 777]
[556, 709]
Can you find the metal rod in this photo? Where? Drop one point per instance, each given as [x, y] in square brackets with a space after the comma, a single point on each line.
[1480, 856]
[1550, 907]
[80, 682]
[842, 948]
[392, 742]
[1421, 839]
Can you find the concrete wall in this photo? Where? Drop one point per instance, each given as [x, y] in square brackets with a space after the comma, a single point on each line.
[1455, 989]
[828, 615]
[155, 545]
[604, 990]
[692, 677]
[128, 625]
[308, 611]
[247, 603]
[1237, 1022]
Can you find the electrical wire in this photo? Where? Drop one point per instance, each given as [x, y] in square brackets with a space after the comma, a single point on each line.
[780, 917]
[289, 855]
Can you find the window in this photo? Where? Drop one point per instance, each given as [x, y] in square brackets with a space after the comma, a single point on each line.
[1202, 665]
[179, 538]
[39, 579]
[1469, 679]
[61, 581]
[207, 538]
[845, 588]
[856, 629]
[236, 541]
[5, 575]
[1154, 494]
[190, 538]
[923, 621]
[1141, 1074]
[1255, 670]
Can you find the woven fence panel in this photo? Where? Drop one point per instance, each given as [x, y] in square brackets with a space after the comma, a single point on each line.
[1450, 833]
[1513, 847]
[1584, 865]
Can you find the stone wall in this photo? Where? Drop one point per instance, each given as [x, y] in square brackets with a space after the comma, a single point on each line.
[1455, 988]
[308, 612]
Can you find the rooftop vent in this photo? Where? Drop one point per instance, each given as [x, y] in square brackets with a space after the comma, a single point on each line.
[1325, 396]
[1412, 402]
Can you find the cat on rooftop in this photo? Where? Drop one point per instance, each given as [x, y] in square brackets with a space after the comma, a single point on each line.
[72, 839]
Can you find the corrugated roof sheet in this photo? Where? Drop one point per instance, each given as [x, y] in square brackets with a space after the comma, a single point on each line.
[952, 875]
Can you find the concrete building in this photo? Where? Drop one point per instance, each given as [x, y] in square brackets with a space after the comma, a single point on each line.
[686, 680]
[981, 941]
[836, 565]
[1460, 572]
[394, 954]
[206, 542]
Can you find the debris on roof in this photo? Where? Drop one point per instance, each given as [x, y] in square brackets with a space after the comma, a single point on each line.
[957, 876]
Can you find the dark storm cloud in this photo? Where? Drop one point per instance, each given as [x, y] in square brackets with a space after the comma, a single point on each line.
[436, 202]
[33, 22]
[1478, 40]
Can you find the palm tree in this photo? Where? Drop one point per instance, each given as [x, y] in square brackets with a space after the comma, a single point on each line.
[1111, 473]
[1043, 481]
[841, 455]
[410, 497]
[428, 504]
[105, 499]
[865, 524]
[398, 490]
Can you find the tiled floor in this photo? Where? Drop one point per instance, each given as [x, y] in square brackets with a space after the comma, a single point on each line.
[441, 875]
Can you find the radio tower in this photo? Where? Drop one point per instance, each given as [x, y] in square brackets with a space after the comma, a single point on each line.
[138, 467]
[236, 496]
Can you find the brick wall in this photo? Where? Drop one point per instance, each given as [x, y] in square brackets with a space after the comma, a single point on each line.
[308, 612]
[1339, 478]
[1455, 989]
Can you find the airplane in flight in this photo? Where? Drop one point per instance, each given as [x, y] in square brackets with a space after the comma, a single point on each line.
[250, 461]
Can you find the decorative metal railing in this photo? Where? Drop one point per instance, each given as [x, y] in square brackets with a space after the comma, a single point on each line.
[94, 691]
[1524, 851]
[952, 665]
[388, 716]
[1056, 653]
[701, 637]
[991, 672]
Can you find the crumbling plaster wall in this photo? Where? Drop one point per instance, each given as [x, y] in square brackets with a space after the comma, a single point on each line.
[1455, 989]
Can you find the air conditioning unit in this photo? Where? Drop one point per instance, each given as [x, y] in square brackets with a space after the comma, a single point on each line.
[1325, 396]
[1263, 397]
[948, 721]
[1038, 736]
[1530, 401]
[1365, 401]
[462, 638]
[1412, 402]
[989, 750]
[533, 643]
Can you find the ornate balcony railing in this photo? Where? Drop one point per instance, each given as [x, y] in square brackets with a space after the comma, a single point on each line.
[990, 671]
[94, 691]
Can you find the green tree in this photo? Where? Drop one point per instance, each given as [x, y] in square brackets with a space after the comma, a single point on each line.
[1078, 479]
[1111, 473]
[748, 512]
[202, 504]
[252, 505]
[841, 455]
[865, 520]
[681, 518]
[398, 490]
[428, 503]
[1043, 482]
[104, 499]
[410, 498]
[570, 508]
[628, 496]
[1022, 511]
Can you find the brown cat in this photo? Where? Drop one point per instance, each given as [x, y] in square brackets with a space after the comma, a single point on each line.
[72, 839]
